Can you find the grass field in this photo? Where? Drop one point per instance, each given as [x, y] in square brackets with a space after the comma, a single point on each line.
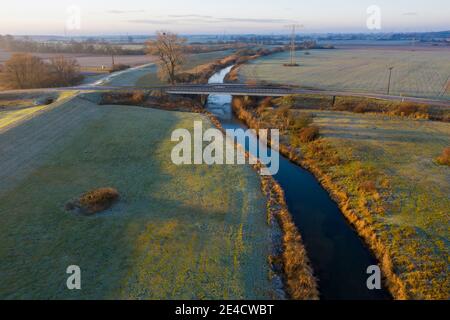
[90, 62]
[178, 232]
[192, 61]
[422, 73]
[413, 191]
[21, 107]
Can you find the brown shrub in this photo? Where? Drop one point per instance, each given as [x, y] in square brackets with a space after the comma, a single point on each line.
[138, 97]
[408, 109]
[99, 200]
[361, 107]
[95, 201]
[119, 67]
[302, 121]
[368, 187]
[309, 134]
[444, 159]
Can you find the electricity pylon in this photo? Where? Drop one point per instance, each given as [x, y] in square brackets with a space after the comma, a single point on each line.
[293, 45]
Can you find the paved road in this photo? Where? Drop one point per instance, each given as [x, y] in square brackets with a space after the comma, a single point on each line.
[242, 90]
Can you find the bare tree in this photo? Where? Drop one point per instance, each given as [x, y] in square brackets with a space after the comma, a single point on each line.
[168, 47]
[65, 72]
[23, 71]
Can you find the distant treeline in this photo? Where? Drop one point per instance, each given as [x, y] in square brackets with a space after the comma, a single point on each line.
[9, 43]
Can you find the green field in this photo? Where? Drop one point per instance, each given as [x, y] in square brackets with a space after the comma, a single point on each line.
[21, 107]
[413, 191]
[177, 233]
[415, 73]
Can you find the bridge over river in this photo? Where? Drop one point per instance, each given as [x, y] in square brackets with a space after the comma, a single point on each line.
[243, 90]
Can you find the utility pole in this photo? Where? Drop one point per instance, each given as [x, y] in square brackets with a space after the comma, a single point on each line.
[390, 78]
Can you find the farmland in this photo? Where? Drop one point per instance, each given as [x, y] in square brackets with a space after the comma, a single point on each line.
[384, 174]
[177, 232]
[412, 189]
[423, 73]
[91, 62]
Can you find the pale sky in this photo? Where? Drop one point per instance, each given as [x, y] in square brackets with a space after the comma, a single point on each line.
[105, 17]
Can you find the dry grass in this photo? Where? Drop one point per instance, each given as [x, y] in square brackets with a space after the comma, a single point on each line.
[298, 274]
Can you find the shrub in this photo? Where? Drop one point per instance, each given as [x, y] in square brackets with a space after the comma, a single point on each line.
[97, 200]
[138, 97]
[302, 121]
[444, 159]
[368, 186]
[309, 134]
[24, 71]
[361, 107]
[119, 67]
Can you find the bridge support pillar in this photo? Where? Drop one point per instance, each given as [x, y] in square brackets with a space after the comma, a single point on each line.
[204, 99]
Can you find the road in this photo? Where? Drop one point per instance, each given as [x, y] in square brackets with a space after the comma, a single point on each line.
[241, 90]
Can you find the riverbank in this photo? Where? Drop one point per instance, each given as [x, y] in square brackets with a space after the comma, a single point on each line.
[414, 265]
[288, 260]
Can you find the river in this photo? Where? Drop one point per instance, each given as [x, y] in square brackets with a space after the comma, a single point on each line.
[338, 255]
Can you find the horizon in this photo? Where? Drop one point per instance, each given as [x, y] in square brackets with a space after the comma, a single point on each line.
[228, 35]
[136, 17]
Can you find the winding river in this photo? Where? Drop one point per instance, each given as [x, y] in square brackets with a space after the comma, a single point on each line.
[338, 255]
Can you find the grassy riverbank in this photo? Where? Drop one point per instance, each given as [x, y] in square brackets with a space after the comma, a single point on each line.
[381, 170]
[177, 233]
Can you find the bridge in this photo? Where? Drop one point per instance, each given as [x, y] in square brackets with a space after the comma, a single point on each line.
[243, 90]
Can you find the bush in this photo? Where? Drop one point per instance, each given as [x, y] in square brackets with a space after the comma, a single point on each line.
[95, 201]
[368, 187]
[361, 107]
[138, 97]
[444, 159]
[119, 67]
[24, 71]
[309, 134]
[302, 121]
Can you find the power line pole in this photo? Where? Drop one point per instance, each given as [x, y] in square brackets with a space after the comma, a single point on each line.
[293, 45]
[390, 78]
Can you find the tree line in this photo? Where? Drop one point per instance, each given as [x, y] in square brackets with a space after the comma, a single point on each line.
[25, 71]
[11, 44]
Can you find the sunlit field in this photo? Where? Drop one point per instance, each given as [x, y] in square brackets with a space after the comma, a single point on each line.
[188, 232]
[423, 73]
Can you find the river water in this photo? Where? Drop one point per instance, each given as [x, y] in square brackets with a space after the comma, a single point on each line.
[339, 257]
